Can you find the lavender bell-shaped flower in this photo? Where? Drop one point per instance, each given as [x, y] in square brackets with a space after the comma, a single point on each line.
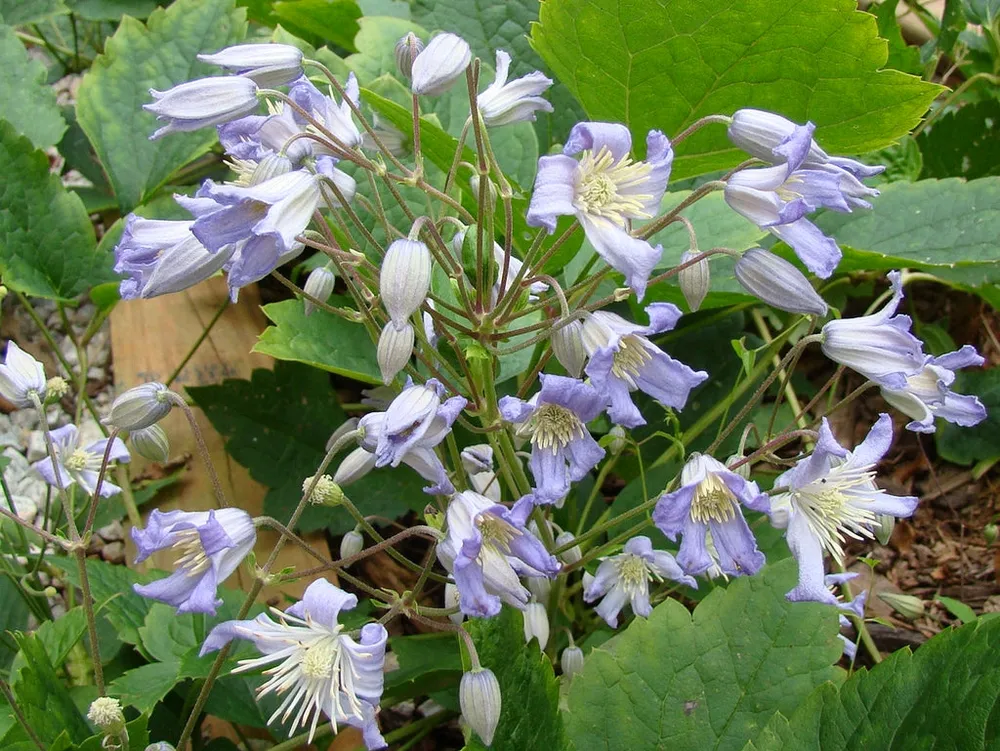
[80, 465]
[562, 449]
[878, 346]
[928, 394]
[708, 501]
[504, 103]
[268, 65]
[202, 103]
[318, 668]
[487, 548]
[210, 544]
[22, 377]
[832, 495]
[605, 190]
[624, 579]
[778, 283]
[413, 424]
[337, 119]
[778, 198]
[623, 360]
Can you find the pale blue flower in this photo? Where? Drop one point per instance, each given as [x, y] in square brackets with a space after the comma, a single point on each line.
[22, 377]
[269, 65]
[202, 103]
[80, 464]
[504, 103]
[778, 283]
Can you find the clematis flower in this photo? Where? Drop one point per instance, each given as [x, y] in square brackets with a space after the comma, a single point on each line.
[318, 668]
[562, 449]
[439, 64]
[268, 65]
[778, 283]
[708, 501]
[21, 377]
[928, 394]
[337, 119]
[624, 579]
[623, 360]
[159, 257]
[504, 103]
[605, 190]
[406, 433]
[477, 461]
[210, 545]
[878, 346]
[202, 103]
[831, 496]
[487, 548]
[778, 198]
[80, 465]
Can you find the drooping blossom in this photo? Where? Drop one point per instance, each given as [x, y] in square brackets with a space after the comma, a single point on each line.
[80, 465]
[605, 190]
[624, 579]
[487, 548]
[709, 501]
[439, 64]
[202, 103]
[22, 377]
[505, 102]
[313, 664]
[210, 546]
[268, 65]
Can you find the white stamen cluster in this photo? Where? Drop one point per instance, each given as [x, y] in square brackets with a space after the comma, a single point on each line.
[838, 506]
[713, 501]
[604, 187]
[629, 360]
[192, 559]
[553, 427]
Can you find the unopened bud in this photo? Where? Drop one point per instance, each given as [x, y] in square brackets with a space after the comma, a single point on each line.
[908, 606]
[407, 49]
[571, 661]
[778, 283]
[451, 598]
[139, 407]
[477, 458]
[567, 346]
[883, 530]
[440, 64]
[990, 533]
[617, 440]
[356, 465]
[55, 389]
[405, 279]
[395, 347]
[479, 697]
[351, 544]
[160, 746]
[694, 280]
[272, 165]
[50, 591]
[571, 555]
[325, 493]
[348, 426]
[106, 713]
[319, 285]
[536, 624]
[540, 587]
[743, 470]
[151, 443]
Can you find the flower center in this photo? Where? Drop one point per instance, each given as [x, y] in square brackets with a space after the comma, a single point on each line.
[553, 427]
[629, 360]
[713, 501]
[606, 187]
[192, 554]
[632, 572]
[838, 505]
[318, 661]
[76, 461]
[496, 532]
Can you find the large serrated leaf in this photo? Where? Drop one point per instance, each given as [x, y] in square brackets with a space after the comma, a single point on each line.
[19, 12]
[158, 55]
[30, 104]
[47, 246]
[963, 143]
[979, 442]
[663, 65]
[709, 680]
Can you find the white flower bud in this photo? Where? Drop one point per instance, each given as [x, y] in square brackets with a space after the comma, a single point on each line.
[395, 346]
[777, 282]
[21, 376]
[694, 280]
[152, 443]
[451, 598]
[139, 407]
[743, 470]
[405, 279]
[326, 492]
[908, 606]
[407, 49]
[356, 465]
[540, 587]
[160, 746]
[440, 64]
[571, 661]
[319, 285]
[883, 530]
[617, 442]
[567, 346]
[106, 713]
[573, 554]
[269, 65]
[536, 624]
[479, 697]
[351, 544]
[348, 426]
[272, 165]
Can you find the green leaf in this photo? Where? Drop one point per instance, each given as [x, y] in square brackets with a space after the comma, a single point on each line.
[58, 637]
[43, 697]
[957, 608]
[427, 663]
[947, 227]
[31, 103]
[137, 58]
[277, 425]
[963, 143]
[902, 161]
[707, 680]
[13, 617]
[901, 55]
[946, 696]
[333, 21]
[111, 10]
[982, 441]
[21, 12]
[665, 64]
[322, 339]
[143, 687]
[233, 700]
[529, 716]
[47, 246]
